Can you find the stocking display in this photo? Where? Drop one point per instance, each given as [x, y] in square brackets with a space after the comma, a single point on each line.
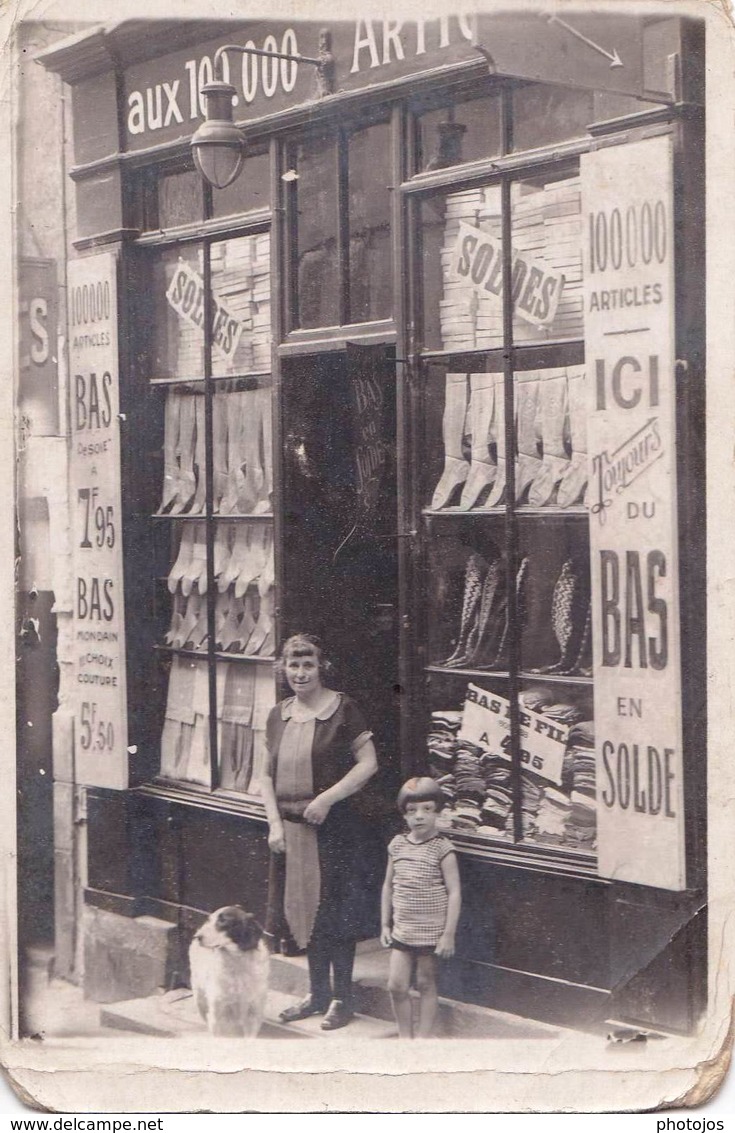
[476, 782]
[528, 462]
[456, 468]
[573, 484]
[552, 425]
[483, 466]
[570, 619]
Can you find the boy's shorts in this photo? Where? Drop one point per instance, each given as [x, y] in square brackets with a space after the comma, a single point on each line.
[413, 949]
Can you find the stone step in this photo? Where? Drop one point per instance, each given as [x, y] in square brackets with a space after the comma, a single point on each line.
[174, 1013]
[290, 975]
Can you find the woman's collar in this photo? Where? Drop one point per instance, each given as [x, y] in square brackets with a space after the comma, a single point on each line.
[323, 713]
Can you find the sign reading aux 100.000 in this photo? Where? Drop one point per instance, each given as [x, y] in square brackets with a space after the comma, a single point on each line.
[627, 196]
[99, 632]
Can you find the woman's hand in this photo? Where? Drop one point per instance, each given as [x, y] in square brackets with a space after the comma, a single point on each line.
[317, 810]
[445, 946]
[276, 840]
[386, 936]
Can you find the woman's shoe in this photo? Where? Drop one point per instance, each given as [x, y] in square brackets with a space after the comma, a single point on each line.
[303, 1010]
[338, 1015]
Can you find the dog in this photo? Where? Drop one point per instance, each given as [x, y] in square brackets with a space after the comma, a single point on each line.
[229, 972]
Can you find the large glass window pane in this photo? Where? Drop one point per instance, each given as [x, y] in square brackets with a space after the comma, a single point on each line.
[317, 220]
[369, 180]
[177, 302]
[546, 236]
[461, 266]
[180, 199]
[544, 114]
[465, 131]
[245, 695]
[241, 320]
[250, 190]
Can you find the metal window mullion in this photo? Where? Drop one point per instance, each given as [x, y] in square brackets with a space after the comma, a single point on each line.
[343, 225]
[209, 512]
[510, 524]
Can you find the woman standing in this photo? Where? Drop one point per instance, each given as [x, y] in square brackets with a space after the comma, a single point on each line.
[320, 755]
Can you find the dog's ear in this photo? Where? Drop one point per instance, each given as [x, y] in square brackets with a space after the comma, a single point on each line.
[242, 928]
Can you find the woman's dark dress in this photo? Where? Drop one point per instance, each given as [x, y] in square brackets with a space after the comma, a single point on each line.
[348, 906]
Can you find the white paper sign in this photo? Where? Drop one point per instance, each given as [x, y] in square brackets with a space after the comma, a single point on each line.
[486, 722]
[627, 197]
[477, 260]
[186, 296]
[100, 727]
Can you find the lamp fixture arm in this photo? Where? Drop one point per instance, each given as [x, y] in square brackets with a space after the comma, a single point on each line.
[324, 62]
[222, 51]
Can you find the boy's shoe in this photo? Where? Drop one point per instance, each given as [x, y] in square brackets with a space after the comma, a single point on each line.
[338, 1015]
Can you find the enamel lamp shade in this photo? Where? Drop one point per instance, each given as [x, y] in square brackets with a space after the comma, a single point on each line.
[218, 145]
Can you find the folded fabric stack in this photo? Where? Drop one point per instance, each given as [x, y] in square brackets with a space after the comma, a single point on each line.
[552, 816]
[241, 279]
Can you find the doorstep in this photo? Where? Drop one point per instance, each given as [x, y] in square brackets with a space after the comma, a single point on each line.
[290, 974]
[174, 1013]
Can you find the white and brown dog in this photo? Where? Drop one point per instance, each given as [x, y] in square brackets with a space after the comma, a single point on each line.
[229, 972]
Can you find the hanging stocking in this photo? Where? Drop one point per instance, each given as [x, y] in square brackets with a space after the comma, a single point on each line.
[569, 606]
[528, 463]
[456, 468]
[238, 557]
[183, 560]
[265, 504]
[553, 415]
[171, 483]
[185, 455]
[250, 477]
[200, 499]
[483, 468]
[196, 571]
[177, 618]
[219, 448]
[501, 657]
[475, 572]
[228, 504]
[573, 486]
[255, 560]
[497, 492]
[492, 615]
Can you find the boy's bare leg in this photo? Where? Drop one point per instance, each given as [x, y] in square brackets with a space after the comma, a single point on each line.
[429, 1001]
[399, 981]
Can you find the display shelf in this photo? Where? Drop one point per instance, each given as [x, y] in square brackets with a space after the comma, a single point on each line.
[199, 380]
[522, 512]
[219, 655]
[200, 517]
[503, 674]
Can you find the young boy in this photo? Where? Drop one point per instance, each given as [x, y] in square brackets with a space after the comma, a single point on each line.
[420, 905]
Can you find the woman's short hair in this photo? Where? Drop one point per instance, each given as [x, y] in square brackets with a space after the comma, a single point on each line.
[420, 790]
[304, 645]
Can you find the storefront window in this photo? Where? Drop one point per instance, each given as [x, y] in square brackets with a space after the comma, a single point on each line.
[250, 190]
[177, 300]
[546, 238]
[180, 199]
[461, 266]
[462, 131]
[317, 227]
[543, 114]
[369, 180]
[508, 577]
[340, 199]
[240, 595]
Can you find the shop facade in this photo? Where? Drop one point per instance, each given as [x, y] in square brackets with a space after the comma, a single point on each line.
[426, 379]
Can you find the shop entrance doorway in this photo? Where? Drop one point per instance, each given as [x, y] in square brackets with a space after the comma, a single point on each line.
[340, 560]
